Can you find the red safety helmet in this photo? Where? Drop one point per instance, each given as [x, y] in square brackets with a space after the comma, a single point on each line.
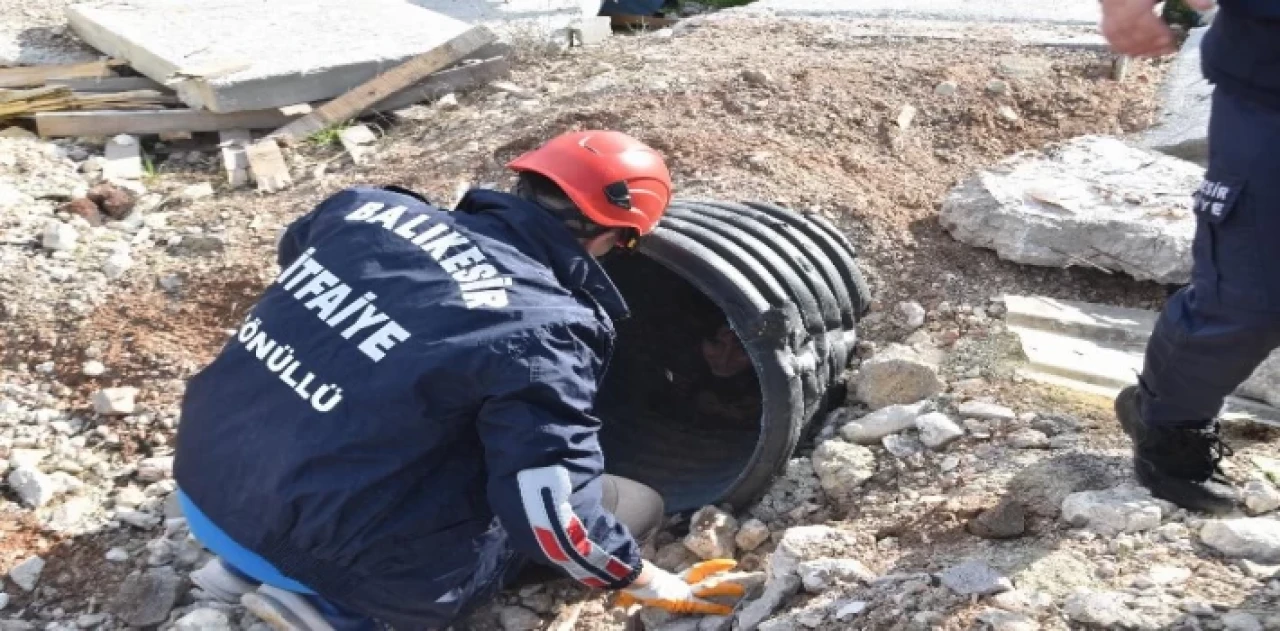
[614, 179]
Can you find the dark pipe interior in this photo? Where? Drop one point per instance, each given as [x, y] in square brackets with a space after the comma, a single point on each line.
[669, 420]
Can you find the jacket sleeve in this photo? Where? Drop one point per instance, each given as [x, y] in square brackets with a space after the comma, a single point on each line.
[543, 455]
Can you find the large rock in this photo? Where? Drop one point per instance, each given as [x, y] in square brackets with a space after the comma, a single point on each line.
[1108, 610]
[843, 468]
[1183, 127]
[797, 487]
[1125, 508]
[34, 487]
[1092, 201]
[1260, 497]
[897, 375]
[819, 575]
[975, 577]
[870, 429]
[809, 543]
[711, 533]
[937, 430]
[1256, 539]
[146, 599]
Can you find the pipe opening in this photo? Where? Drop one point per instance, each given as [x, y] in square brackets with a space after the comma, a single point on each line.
[681, 404]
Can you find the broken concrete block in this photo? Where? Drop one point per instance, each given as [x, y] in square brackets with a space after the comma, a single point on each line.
[236, 55]
[124, 159]
[358, 140]
[591, 31]
[234, 161]
[1185, 100]
[1092, 201]
[268, 167]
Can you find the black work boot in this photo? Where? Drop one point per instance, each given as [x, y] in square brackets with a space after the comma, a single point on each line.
[1178, 465]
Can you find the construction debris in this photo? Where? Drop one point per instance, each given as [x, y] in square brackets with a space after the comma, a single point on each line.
[358, 140]
[268, 166]
[124, 159]
[234, 160]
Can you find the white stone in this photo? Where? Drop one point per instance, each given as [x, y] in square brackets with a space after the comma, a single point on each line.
[1253, 538]
[115, 401]
[137, 519]
[819, 575]
[34, 487]
[1241, 621]
[986, 411]
[937, 430]
[70, 516]
[1028, 438]
[897, 375]
[117, 555]
[448, 102]
[842, 468]
[1092, 201]
[27, 573]
[1108, 610]
[93, 368]
[1007, 113]
[752, 535]
[902, 446]
[155, 469]
[711, 534]
[911, 314]
[197, 191]
[975, 578]
[204, 619]
[1260, 497]
[1169, 575]
[1000, 620]
[850, 610]
[60, 237]
[872, 428]
[807, 543]
[518, 619]
[4, 600]
[1125, 508]
[116, 265]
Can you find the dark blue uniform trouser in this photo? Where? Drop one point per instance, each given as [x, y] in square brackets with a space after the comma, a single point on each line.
[1215, 332]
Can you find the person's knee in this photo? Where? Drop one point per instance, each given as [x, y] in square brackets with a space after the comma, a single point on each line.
[638, 506]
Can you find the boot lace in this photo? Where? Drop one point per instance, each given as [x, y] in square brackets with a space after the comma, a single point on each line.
[1196, 454]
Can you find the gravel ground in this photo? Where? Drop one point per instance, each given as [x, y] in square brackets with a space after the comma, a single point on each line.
[35, 32]
[964, 516]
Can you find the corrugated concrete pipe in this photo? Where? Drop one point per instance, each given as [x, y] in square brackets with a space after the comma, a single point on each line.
[711, 418]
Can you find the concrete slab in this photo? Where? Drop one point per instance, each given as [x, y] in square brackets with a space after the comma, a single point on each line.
[515, 20]
[1098, 349]
[236, 55]
[984, 11]
[1183, 127]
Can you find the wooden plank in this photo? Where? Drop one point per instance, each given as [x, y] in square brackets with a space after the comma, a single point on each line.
[268, 166]
[110, 123]
[124, 158]
[109, 84]
[369, 94]
[35, 76]
[235, 162]
[446, 81]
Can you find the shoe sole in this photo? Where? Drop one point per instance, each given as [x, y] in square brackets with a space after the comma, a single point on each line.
[272, 612]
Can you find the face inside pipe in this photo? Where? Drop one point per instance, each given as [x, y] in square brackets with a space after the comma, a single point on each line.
[681, 404]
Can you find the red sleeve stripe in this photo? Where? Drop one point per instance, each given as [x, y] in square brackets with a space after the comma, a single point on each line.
[560, 534]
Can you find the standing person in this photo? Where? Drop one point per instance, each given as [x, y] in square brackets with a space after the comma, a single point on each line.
[404, 424]
[1216, 331]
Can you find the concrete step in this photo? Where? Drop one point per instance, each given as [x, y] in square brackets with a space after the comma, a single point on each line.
[1097, 349]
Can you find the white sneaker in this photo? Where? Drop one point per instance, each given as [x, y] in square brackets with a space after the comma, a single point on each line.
[284, 610]
[216, 580]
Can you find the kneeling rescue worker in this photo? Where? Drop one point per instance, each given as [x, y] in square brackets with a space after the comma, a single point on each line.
[403, 425]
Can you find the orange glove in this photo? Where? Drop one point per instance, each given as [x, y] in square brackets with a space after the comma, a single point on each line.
[685, 594]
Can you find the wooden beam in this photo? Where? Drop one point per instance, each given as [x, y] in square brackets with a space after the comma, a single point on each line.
[109, 84]
[110, 123]
[36, 76]
[446, 81]
[369, 94]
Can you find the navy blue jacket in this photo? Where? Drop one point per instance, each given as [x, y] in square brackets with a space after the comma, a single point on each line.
[407, 411]
[1241, 51]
